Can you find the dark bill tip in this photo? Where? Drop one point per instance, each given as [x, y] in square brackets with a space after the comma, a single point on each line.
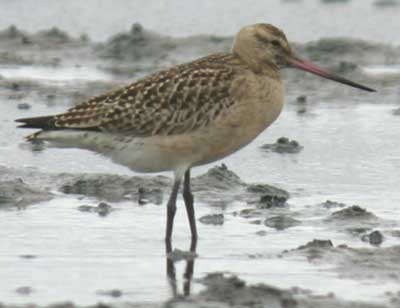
[314, 69]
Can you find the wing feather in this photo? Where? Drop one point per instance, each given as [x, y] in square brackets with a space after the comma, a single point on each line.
[173, 101]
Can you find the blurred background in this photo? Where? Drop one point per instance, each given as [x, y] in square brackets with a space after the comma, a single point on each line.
[340, 148]
[302, 20]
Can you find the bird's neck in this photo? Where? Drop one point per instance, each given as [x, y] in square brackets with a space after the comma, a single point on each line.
[260, 68]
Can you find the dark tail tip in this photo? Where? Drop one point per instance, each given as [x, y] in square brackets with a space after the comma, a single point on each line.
[46, 122]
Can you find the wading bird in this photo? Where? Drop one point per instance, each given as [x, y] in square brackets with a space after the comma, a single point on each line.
[185, 116]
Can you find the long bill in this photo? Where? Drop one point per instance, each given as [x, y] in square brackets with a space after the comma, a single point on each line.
[314, 69]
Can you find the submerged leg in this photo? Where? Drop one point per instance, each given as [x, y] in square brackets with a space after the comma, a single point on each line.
[188, 275]
[171, 209]
[188, 198]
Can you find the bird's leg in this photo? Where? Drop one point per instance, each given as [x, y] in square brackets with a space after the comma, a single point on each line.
[189, 269]
[188, 198]
[171, 209]
[171, 276]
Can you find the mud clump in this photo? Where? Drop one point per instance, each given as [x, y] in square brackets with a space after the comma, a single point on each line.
[136, 44]
[375, 238]
[328, 204]
[16, 193]
[219, 186]
[234, 292]
[396, 112]
[213, 219]
[25, 290]
[219, 177]
[103, 209]
[24, 106]
[113, 188]
[271, 201]
[147, 195]
[352, 212]
[112, 293]
[281, 222]
[316, 244]
[283, 145]
[270, 196]
[355, 263]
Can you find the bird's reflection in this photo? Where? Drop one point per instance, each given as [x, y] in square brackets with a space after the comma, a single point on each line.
[189, 268]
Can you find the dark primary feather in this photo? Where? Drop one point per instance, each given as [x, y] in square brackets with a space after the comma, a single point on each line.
[173, 101]
[46, 122]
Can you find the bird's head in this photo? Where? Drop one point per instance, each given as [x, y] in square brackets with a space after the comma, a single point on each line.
[265, 48]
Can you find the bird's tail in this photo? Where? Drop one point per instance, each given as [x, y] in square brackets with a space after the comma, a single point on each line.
[45, 123]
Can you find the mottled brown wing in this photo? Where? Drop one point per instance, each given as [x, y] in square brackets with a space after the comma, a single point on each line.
[173, 101]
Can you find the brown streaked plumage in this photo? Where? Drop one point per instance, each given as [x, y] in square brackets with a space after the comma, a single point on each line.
[185, 116]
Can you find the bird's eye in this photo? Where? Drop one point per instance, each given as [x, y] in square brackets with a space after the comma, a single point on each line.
[276, 43]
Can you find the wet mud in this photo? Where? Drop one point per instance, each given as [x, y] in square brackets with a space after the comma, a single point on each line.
[359, 243]
[283, 145]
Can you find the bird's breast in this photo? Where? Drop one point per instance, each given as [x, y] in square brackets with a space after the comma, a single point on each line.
[258, 102]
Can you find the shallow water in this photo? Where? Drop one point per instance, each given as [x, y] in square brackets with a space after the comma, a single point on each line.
[350, 155]
[302, 20]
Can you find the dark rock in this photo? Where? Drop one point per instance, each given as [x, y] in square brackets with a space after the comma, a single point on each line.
[283, 145]
[375, 238]
[268, 201]
[328, 204]
[281, 222]
[25, 290]
[320, 244]
[353, 212]
[267, 190]
[24, 106]
[301, 104]
[302, 99]
[250, 213]
[112, 293]
[213, 219]
[103, 209]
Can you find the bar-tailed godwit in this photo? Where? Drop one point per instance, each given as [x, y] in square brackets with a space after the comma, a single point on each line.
[185, 116]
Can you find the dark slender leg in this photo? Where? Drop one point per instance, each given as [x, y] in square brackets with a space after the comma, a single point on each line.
[188, 198]
[171, 209]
